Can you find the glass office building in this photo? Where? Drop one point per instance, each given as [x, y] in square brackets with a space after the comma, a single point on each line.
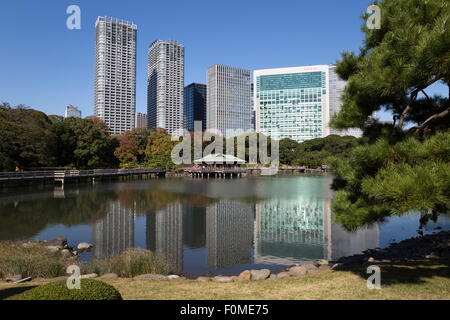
[165, 85]
[115, 73]
[294, 102]
[229, 107]
[194, 105]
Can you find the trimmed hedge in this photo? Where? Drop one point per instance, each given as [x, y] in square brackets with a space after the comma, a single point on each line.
[90, 290]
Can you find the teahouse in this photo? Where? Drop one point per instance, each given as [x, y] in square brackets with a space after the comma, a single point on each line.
[217, 165]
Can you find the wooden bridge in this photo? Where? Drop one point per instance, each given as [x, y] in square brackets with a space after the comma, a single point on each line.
[77, 175]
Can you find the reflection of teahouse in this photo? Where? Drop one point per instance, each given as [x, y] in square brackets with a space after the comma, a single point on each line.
[217, 165]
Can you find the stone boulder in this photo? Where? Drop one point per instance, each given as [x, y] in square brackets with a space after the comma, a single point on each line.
[260, 274]
[151, 277]
[282, 275]
[60, 242]
[223, 279]
[89, 276]
[84, 246]
[245, 276]
[203, 279]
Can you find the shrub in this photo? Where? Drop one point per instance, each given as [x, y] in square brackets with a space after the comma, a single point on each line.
[31, 260]
[90, 290]
[130, 263]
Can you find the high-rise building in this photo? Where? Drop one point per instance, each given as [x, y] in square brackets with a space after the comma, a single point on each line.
[228, 100]
[141, 120]
[195, 105]
[115, 73]
[298, 102]
[165, 85]
[72, 111]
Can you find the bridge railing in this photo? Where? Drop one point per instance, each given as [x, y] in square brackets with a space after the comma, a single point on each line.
[72, 173]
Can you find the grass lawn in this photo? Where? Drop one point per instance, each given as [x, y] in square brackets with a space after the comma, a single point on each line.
[417, 280]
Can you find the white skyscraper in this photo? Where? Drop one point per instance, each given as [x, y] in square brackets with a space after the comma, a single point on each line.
[115, 73]
[165, 85]
[228, 101]
[72, 111]
[298, 102]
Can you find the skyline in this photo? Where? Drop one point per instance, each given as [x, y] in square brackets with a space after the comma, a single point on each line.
[48, 73]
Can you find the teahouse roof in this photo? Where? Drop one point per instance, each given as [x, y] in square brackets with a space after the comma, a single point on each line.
[219, 158]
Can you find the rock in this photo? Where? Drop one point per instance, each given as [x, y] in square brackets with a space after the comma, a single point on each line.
[54, 248]
[245, 276]
[109, 276]
[203, 279]
[312, 271]
[297, 271]
[151, 277]
[84, 246]
[235, 278]
[272, 276]
[282, 275]
[75, 252]
[371, 260]
[336, 266]
[58, 242]
[324, 267]
[13, 278]
[260, 274]
[322, 262]
[89, 276]
[223, 279]
[433, 255]
[172, 277]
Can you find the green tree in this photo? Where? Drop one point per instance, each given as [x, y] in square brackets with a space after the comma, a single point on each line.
[27, 139]
[395, 171]
[159, 149]
[397, 64]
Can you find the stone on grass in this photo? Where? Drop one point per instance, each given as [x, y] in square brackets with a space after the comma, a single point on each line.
[89, 276]
[59, 242]
[260, 274]
[66, 253]
[203, 279]
[245, 276]
[322, 262]
[282, 275]
[151, 277]
[223, 279]
[324, 267]
[54, 248]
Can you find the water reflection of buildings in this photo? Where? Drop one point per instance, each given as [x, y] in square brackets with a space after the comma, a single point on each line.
[115, 232]
[165, 234]
[229, 233]
[288, 230]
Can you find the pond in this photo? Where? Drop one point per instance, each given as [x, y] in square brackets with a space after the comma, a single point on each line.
[223, 226]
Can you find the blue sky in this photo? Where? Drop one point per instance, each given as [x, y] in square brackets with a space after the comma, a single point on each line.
[46, 66]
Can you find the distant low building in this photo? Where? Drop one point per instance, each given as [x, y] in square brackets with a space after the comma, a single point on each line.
[141, 120]
[72, 111]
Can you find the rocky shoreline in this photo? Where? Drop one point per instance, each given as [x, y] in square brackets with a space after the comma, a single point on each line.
[429, 247]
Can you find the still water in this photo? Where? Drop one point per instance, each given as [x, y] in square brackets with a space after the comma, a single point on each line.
[220, 226]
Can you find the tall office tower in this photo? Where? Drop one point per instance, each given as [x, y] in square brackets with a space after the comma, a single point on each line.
[297, 103]
[337, 86]
[228, 100]
[195, 105]
[115, 73]
[252, 103]
[141, 120]
[115, 232]
[164, 235]
[72, 111]
[165, 85]
[229, 233]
